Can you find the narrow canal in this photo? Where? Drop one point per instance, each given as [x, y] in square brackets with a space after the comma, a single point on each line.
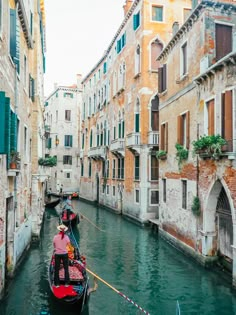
[130, 258]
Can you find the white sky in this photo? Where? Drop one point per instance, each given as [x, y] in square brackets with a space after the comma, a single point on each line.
[77, 34]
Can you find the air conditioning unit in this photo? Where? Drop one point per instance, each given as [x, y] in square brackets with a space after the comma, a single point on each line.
[204, 64]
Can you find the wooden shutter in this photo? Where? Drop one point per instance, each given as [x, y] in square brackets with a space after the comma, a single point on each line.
[136, 122]
[166, 137]
[180, 129]
[164, 77]
[228, 119]
[223, 40]
[162, 136]
[187, 130]
[160, 77]
[211, 118]
[13, 146]
[8, 124]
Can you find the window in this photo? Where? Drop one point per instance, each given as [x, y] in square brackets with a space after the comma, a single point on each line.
[114, 132]
[227, 119]
[184, 194]
[113, 168]
[210, 106]
[97, 135]
[113, 191]
[164, 137]
[136, 167]
[104, 67]
[136, 195]
[164, 189]
[15, 39]
[107, 189]
[31, 87]
[82, 168]
[49, 143]
[90, 107]
[68, 115]
[155, 114]
[157, 13]
[223, 40]
[107, 168]
[121, 43]
[154, 166]
[183, 129]
[91, 138]
[89, 168]
[67, 175]
[154, 197]
[136, 21]
[82, 146]
[68, 95]
[183, 61]
[156, 48]
[67, 159]
[121, 166]
[26, 141]
[137, 68]
[68, 141]
[25, 71]
[121, 77]
[162, 79]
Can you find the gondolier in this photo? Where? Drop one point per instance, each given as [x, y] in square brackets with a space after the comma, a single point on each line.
[60, 243]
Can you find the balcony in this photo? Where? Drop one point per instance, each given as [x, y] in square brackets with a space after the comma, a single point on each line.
[117, 147]
[97, 153]
[153, 138]
[133, 141]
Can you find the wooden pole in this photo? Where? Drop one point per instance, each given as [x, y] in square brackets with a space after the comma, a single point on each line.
[83, 216]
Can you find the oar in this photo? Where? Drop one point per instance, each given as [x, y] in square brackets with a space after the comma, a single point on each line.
[114, 289]
[82, 215]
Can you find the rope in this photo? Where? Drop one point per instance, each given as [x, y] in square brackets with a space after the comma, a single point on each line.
[115, 290]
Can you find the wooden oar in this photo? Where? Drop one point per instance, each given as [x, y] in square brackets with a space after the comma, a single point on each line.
[114, 289]
[83, 216]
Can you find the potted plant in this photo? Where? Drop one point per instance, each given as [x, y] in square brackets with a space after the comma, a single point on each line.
[181, 154]
[14, 159]
[161, 155]
[48, 161]
[209, 146]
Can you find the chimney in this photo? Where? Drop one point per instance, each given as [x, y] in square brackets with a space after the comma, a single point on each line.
[79, 80]
[127, 6]
[175, 28]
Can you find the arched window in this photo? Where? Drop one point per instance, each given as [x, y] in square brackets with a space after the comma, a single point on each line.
[155, 114]
[137, 116]
[137, 69]
[156, 48]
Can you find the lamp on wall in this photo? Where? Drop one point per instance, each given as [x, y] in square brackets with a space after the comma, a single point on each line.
[56, 141]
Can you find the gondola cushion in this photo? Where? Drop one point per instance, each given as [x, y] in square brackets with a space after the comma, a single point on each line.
[74, 272]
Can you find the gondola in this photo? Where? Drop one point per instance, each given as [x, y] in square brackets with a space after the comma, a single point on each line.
[70, 219]
[52, 202]
[77, 293]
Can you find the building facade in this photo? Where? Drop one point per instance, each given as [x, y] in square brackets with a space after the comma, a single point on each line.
[119, 117]
[21, 66]
[197, 111]
[62, 125]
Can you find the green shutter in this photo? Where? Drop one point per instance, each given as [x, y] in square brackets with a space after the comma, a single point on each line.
[104, 67]
[2, 124]
[71, 141]
[123, 129]
[8, 125]
[119, 131]
[13, 146]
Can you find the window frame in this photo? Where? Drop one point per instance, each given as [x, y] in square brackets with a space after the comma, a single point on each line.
[150, 197]
[164, 190]
[162, 13]
[135, 196]
[184, 199]
[184, 59]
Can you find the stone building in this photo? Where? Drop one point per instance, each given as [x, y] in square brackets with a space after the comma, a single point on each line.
[197, 107]
[119, 118]
[21, 103]
[62, 123]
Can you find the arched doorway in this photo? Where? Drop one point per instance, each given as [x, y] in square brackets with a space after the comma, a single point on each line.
[224, 226]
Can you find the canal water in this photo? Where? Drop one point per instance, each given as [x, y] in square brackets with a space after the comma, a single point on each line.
[132, 259]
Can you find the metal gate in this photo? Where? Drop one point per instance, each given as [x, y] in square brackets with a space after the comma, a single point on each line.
[225, 225]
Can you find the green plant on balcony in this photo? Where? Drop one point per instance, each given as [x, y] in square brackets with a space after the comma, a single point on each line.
[181, 154]
[161, 155]
[48, 161]
[14, 159]
[196, 207]
[209, 146]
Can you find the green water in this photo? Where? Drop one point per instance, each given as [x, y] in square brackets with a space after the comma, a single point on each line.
[130, 258]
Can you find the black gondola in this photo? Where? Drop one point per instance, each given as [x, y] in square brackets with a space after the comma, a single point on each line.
[69, 218]
[52, 202]
[77, 293]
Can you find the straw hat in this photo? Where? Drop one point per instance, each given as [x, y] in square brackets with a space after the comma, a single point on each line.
[62, 228]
